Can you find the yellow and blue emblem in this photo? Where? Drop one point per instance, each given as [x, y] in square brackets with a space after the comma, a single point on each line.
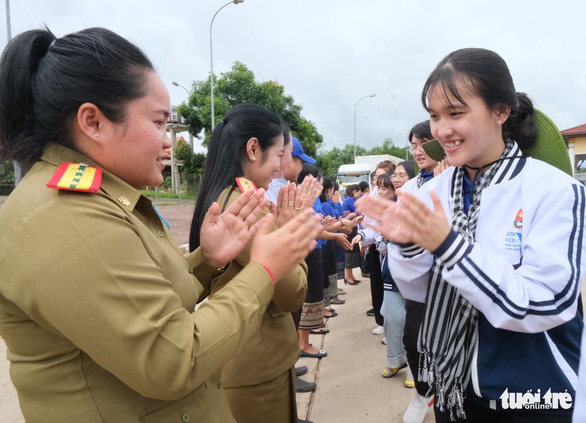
[76, 177]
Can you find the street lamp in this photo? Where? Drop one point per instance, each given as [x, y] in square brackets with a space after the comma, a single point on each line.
[212, 57]
[368, 96]
[179, 85]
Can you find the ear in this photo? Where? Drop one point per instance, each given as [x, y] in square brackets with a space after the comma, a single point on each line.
[90, 121]
[252, 149]
[503, 112]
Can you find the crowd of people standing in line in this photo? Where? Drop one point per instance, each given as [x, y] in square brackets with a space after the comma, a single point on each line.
[477, 294]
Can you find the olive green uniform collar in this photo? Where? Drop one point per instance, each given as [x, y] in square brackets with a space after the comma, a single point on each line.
[56, 154]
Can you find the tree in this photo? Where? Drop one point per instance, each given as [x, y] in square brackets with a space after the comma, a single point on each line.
[239, 86]
[330, 161]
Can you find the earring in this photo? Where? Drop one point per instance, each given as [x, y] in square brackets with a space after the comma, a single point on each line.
[253, 158]
[499, 122]
[97, 135]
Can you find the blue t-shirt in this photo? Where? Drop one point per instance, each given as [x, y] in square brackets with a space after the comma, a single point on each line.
[317, 208]
[348, 205]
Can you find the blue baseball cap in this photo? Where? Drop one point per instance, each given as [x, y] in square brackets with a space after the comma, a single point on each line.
[298, 152]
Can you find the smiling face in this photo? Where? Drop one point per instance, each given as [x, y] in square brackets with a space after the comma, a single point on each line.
[469, 133]
[265, 164]
[400, 176]
[421, 157]
[134, 150]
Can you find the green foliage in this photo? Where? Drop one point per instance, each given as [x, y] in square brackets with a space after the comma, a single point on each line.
[7, 173]
[330, 161]
[166, 185]
[192, 162]
[239, 86]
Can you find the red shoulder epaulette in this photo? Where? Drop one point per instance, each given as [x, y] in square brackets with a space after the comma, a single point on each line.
[76, 177]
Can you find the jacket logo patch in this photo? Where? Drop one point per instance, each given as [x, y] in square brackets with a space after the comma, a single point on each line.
[514, 235]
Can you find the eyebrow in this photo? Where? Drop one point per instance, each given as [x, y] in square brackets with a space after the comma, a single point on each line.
[163, 112]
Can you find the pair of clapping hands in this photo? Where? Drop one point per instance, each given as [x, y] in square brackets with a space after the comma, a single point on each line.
[223, 236]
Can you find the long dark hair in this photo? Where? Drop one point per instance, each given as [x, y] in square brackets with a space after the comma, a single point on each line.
[487, 75]
[227, 152]
[308, 169]
[44, 80]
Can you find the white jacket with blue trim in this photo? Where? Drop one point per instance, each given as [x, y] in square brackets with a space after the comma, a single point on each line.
[523, 273]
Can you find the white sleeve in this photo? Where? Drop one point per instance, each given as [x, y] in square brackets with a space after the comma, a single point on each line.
[410, 267]
[541, 292]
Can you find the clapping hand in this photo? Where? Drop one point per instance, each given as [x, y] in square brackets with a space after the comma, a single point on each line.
[223, 236]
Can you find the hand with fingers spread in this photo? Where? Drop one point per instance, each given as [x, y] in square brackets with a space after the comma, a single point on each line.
[328, 222]
[223, 236]
[296, 238]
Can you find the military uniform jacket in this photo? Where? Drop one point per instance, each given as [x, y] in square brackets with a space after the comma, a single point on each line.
[97, 307]
[274, 347]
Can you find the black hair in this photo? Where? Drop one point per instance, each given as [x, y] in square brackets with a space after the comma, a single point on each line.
[227, 152]
[409, 168]
[385, 180]
[336, 186]
[422, 131]
[488, 76]
[44, 80]
[308, 169]
[363, 186]
[286, 134]
[327, 184]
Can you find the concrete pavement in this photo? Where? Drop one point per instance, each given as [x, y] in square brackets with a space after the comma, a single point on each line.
[350, 387]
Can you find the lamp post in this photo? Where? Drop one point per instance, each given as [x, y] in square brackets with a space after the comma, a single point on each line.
[179, 85]
[212, 58]
[368, 96]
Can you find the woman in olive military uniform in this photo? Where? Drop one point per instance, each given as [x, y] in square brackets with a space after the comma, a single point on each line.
[97, 302]
[259, 379]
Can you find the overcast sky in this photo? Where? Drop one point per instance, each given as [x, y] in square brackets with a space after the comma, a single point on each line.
[330, 53]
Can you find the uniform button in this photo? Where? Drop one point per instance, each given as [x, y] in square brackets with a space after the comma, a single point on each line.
[124, 200]
[161, 233]
[219, 385]
[185, 417]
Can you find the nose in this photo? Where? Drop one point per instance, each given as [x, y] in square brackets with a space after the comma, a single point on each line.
[167, 141]
[441, 128]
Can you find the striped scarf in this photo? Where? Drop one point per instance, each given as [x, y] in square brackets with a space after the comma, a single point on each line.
[449, 331]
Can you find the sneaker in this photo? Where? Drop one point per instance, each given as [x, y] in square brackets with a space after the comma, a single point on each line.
[384, 340]
[370, 312]
[379, 330]
[409, 382]
[418, 408]
[390, 372]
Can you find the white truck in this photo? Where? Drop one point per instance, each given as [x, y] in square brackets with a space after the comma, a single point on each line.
[363, 166]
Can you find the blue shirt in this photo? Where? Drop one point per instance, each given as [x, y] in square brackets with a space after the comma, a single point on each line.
[317, 208]
[348, 205]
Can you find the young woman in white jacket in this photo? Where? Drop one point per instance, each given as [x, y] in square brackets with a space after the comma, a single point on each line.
[496, 241]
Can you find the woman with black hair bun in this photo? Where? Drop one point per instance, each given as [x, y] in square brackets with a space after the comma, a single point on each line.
[496, 240]
[97, 301]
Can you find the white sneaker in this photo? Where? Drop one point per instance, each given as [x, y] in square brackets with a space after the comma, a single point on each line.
[379, 330]
[418, 408]
[384, 341]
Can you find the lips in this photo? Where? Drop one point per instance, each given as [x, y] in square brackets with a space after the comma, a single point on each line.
[452, 144]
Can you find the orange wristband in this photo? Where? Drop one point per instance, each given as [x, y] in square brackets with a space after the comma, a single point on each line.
[271, 275]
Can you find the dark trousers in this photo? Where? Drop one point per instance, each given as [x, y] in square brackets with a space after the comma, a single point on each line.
[413, 318]
[376, 284]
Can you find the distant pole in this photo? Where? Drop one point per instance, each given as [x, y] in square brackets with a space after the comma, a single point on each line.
[368, 96]
[212, 58]
[17, 168]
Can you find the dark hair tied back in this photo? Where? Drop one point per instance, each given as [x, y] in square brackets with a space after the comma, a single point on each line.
[488, 76]
[43, 84]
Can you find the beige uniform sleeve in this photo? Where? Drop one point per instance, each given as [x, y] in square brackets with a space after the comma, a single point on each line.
[117, 292]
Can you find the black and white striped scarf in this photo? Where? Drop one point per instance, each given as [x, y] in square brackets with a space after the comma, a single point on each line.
[449, 331]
